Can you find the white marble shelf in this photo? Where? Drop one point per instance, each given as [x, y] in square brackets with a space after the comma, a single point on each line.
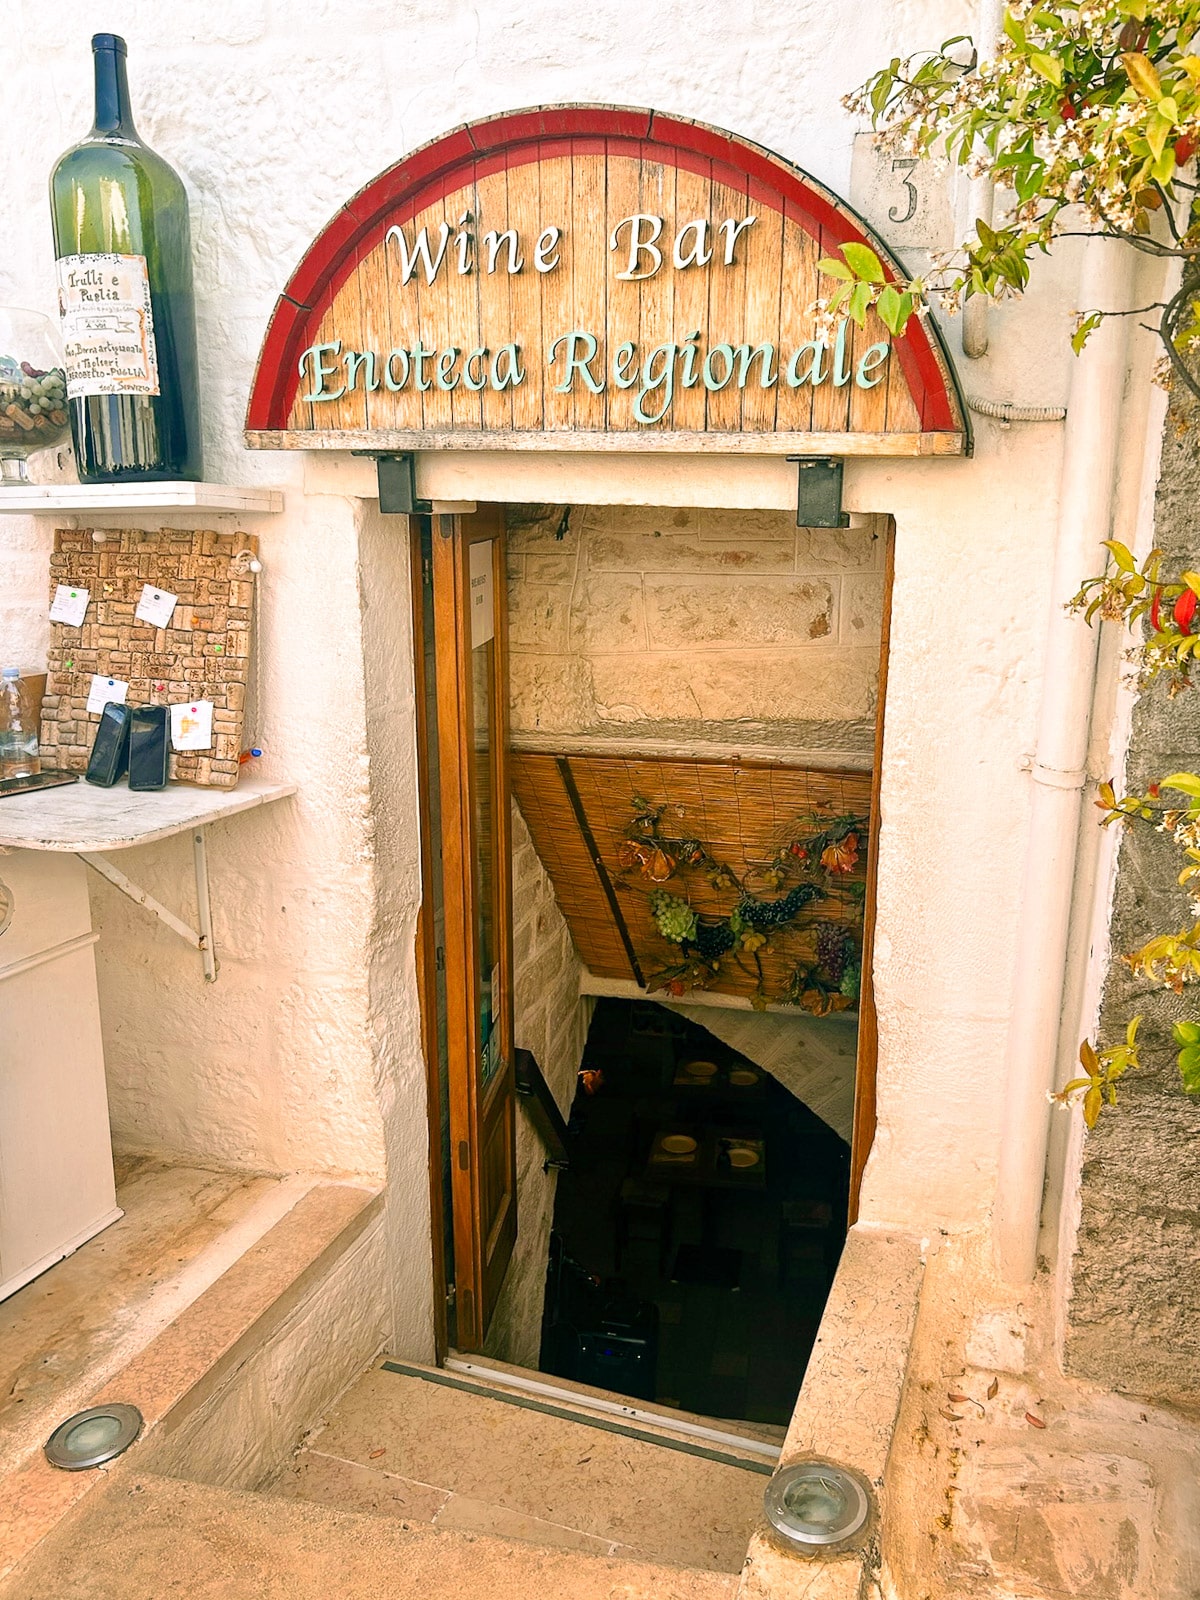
[32, 499]
[85, 819]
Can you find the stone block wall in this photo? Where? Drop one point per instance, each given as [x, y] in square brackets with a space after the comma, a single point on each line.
[1135, 1290]
[732, 626]
[551, 1021]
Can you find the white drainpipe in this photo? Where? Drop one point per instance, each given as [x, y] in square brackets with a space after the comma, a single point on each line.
[1090, 440]
[983, 190]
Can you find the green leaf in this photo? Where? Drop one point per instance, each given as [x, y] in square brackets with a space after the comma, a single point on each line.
[1185, 782]
[1142, 75]
[1049, 67]
[1119, 552]
[1186, 1032]
[1013, 29]
[835, 269]
[889, 306]
[859, 303]
[864, 262]
[1189, 1068]
[1085, 329]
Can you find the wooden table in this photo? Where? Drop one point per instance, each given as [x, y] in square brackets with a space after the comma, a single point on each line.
[704, 1167]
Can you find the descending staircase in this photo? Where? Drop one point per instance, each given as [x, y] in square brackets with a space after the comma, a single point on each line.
[435, 1447]
[433, 1483]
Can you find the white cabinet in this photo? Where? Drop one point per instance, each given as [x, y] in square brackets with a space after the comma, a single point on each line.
[56, 1173]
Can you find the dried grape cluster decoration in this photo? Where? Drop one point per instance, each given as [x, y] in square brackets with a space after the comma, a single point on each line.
[823, 857]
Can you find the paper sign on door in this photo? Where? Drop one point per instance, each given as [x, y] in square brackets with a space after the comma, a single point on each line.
[483, 616]
[104, 691]
[191, 725]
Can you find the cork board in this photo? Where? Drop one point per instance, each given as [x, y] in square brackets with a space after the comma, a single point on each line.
[204, 654]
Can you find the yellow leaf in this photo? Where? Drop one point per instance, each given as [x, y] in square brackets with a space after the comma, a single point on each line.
[1089, 1060]
[1142, 75]
[1093, 1101]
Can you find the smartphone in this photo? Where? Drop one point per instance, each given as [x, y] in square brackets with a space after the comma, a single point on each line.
[149, 747]
[109, 759]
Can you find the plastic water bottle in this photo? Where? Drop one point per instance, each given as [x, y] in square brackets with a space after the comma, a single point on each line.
[18, 728]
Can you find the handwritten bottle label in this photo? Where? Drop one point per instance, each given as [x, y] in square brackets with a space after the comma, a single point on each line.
[107, 325]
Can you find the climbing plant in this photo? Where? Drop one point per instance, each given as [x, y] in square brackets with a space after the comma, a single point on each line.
[1087, 118]
[1165, 607]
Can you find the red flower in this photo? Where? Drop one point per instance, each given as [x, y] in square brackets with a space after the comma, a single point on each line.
[1154, 791]
[1185, 610]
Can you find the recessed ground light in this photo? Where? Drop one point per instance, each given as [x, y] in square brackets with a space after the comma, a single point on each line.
[817, 1508]
[90, 1438]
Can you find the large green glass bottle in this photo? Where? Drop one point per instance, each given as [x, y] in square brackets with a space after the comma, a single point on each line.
[123, 242]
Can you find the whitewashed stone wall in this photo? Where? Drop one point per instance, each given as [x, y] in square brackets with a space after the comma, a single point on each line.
[277, 113]
[664, 621]
[551, 1021]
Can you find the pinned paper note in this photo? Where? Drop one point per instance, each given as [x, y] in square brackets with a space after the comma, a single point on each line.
[156, 606]
[104, 691]
[69, 605]
[191, 725]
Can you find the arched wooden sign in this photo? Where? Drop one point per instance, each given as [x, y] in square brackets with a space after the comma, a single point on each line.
[584, 277]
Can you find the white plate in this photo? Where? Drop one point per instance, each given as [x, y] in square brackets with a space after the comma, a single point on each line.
[742, 1156]
[700, 1069]
[678, 1144]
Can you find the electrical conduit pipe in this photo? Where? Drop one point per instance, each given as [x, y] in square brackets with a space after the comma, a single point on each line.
[1090, 439]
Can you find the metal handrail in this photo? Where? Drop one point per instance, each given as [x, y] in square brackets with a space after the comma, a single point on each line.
[543, 1109]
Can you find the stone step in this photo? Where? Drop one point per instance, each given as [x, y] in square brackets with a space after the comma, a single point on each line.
[759, 1441]
[225, 1387]
[420, 1444]
[143, 1537]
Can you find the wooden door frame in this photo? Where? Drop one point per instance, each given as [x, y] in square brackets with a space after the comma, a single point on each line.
[427, 958]
[470, 1102]
[866, 1063]
[867, 1053]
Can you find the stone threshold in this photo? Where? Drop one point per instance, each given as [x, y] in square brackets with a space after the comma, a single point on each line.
[193, 1341]
[848, 1407]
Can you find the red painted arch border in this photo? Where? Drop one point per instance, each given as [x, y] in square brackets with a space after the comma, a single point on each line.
[516, 138]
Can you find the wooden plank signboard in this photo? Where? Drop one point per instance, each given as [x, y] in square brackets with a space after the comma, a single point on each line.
[589, 277]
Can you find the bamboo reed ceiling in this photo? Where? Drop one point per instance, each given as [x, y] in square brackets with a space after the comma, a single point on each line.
[581, 809]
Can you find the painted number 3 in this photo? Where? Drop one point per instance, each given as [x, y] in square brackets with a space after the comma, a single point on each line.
[905, 165]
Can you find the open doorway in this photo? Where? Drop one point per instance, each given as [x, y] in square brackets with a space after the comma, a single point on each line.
[692, 742]
[710, 1203]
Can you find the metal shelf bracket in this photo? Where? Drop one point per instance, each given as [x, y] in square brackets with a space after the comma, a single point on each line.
[200, 939]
